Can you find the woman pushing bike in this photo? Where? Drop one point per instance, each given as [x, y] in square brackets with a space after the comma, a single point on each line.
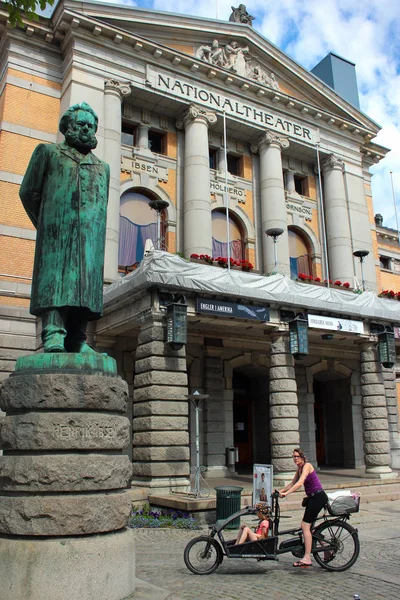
[314, 502]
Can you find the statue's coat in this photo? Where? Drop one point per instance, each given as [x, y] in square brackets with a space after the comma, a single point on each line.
[65, 194]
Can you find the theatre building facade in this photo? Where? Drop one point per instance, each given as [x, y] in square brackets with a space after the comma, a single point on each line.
[222, 150]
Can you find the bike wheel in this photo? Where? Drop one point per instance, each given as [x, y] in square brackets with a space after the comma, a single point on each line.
[203, 555]
[335, 546]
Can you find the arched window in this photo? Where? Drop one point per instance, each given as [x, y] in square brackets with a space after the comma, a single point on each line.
[300, 255]
[137, 223]
[220, 238]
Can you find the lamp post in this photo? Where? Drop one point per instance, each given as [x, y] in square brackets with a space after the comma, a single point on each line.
[361, 255]
[159, 205]
[196, 400]
[274, 233]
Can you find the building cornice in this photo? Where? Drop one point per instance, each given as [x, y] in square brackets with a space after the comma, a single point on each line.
[66, 21]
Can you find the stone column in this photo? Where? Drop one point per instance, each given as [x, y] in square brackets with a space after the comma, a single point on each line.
[143, 136]
[222, 166]
[336, 212]
[389, 378]
[306, 413]
[290, 186]
[214, 414]
[113, 93]
[273, 205]
[284, 413]
[160, 412]
[374, 414]
[63, 480]
[197, 231]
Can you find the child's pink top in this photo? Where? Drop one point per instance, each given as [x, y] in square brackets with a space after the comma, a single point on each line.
[261, 526]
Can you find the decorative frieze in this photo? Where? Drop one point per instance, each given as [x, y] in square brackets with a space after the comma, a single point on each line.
[237, 59]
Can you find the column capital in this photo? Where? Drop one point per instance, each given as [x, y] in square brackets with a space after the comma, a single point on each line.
[194, 113]
[122, 88]
[270, 138]
[332, 162]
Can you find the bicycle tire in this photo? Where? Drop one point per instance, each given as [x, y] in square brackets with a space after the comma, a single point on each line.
[204, 545]
[343, 545]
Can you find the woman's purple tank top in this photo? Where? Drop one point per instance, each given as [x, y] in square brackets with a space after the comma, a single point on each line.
[312, 484]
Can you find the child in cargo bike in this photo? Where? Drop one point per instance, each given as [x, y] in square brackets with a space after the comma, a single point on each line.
[247, 535]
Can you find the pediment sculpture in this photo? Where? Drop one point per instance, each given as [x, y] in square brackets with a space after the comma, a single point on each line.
[236, 58]
[240, 15]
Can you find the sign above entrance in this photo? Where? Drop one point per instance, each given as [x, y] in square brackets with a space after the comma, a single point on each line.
[141, 166]
[181, 88]
[231, 309]
[333, 324]
[233, 190]
[300, 209]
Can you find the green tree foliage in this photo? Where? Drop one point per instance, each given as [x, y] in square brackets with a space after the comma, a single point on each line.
[25, 8]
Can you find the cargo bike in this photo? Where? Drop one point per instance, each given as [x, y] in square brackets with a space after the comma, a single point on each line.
[335, 543]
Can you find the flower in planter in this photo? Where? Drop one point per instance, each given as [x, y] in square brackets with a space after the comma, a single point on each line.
[302, 277]
[337, 282]
[234, 263]
[222, 261]
[346, 284]
[326, 281]
[246, 265]
[194, 256]
[207, 258]
[317, 279]
[387, 294]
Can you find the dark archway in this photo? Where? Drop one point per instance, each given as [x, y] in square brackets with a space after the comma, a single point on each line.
[334, 436]
[251, 416]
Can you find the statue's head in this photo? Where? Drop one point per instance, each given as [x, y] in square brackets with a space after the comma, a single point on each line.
[79, 125]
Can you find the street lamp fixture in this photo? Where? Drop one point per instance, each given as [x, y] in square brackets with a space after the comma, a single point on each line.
[159, 205]
[177, 324]
[361, 255]
[387, 349]
[274, 233]
[298, 337]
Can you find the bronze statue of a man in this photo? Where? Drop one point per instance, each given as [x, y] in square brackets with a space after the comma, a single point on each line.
[65, 193]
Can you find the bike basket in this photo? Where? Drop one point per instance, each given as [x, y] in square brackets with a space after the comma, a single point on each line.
[344, 505]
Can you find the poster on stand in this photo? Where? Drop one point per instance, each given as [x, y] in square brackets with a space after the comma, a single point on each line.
[262, 483]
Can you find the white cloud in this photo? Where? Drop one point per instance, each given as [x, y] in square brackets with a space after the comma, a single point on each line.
[367, 34]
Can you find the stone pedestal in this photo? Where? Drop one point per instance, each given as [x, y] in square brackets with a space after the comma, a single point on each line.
[63, 476]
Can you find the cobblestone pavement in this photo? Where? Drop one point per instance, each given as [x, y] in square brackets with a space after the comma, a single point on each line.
[159, 561]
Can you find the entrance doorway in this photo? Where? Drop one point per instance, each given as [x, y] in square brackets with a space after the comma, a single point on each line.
[334, 436]
[251, 416]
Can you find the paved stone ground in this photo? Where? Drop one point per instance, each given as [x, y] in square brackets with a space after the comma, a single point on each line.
[159, 562]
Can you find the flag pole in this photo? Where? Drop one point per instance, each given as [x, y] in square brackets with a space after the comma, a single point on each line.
[395, 206]
[228, 248]
[321, 197]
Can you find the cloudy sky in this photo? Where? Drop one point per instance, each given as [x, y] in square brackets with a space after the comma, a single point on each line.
[366, 33]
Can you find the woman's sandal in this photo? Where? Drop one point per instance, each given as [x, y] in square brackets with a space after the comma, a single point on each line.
[302, 564]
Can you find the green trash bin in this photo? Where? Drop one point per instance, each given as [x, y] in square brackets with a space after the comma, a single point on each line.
[228, 502]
